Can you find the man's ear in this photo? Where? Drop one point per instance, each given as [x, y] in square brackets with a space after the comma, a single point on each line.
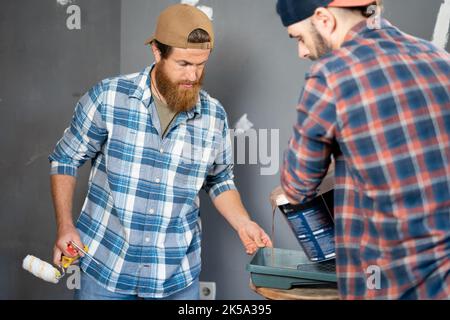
[324, 21]
[156, 52]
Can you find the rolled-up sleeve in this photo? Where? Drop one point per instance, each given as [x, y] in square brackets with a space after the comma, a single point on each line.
[85, 136]
[220, 175]
[308, 156]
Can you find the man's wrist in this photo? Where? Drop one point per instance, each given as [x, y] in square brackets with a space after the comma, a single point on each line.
[65, 225]
[241, 225]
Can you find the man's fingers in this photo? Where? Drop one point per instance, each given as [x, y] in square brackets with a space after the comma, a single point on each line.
[267, 242]
[250, 249]
[259, 242]
[56, 256]
[254, 238]
[262, 239]
[248, 242]
[245, 238]
[63, 246]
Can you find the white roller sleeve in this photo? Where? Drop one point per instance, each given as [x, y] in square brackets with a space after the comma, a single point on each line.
[41, 269]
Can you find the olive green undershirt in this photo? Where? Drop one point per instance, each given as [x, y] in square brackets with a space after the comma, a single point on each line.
[166, 115]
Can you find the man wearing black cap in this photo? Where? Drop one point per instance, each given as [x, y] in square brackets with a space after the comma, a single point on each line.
[155, 139]
[377, 100]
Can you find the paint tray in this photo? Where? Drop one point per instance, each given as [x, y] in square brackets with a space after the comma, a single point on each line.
[290, 268]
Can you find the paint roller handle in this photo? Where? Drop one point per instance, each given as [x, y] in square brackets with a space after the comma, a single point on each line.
[74, 251]
[84, 251]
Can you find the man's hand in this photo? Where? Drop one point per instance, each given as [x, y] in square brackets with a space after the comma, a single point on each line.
[253, 237]
[230, 206]
[278, 193]
[66, 234]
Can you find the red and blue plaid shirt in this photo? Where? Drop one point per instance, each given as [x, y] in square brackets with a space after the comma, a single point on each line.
[381, 106]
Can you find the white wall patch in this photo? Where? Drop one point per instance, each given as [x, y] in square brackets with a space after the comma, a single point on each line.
[441, 33]
[63, 2]
[242, 125]
[207, 10]
[190, 2]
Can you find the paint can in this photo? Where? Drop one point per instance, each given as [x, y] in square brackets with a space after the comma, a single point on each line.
[312, 222]
[313, 225]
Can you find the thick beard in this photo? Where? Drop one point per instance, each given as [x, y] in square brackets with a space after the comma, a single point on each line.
[321, 46]
[178, 99]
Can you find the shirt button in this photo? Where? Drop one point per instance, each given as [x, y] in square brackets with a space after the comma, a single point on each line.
[147, 239]
[152, 211]
[161, 150]
[157, 180]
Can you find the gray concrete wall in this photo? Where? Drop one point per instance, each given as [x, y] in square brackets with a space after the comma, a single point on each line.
[44, 68]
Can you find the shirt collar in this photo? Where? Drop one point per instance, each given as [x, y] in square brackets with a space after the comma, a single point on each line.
[141, 90]
[364, 27]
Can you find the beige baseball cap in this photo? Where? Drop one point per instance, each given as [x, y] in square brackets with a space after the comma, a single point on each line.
[176, 23]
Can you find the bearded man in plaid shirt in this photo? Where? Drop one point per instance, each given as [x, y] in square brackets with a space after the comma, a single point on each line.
[155, 140]
[377, 100]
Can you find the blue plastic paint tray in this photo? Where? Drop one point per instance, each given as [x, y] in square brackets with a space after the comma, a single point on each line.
[290, 268]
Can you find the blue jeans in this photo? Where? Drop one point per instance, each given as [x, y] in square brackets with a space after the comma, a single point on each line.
[91, 290]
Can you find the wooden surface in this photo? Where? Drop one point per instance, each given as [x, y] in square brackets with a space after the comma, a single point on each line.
[297, 293]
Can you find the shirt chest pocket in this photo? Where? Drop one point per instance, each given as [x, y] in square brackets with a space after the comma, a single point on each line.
[193, 165]
[195, 154]
[123, 148]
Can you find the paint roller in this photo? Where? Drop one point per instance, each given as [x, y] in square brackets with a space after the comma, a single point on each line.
[41, 269]
[46, 271]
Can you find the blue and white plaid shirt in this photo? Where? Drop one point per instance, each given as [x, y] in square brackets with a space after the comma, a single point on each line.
[140, 218]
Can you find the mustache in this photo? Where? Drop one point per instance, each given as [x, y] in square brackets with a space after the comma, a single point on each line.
[190, 83]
